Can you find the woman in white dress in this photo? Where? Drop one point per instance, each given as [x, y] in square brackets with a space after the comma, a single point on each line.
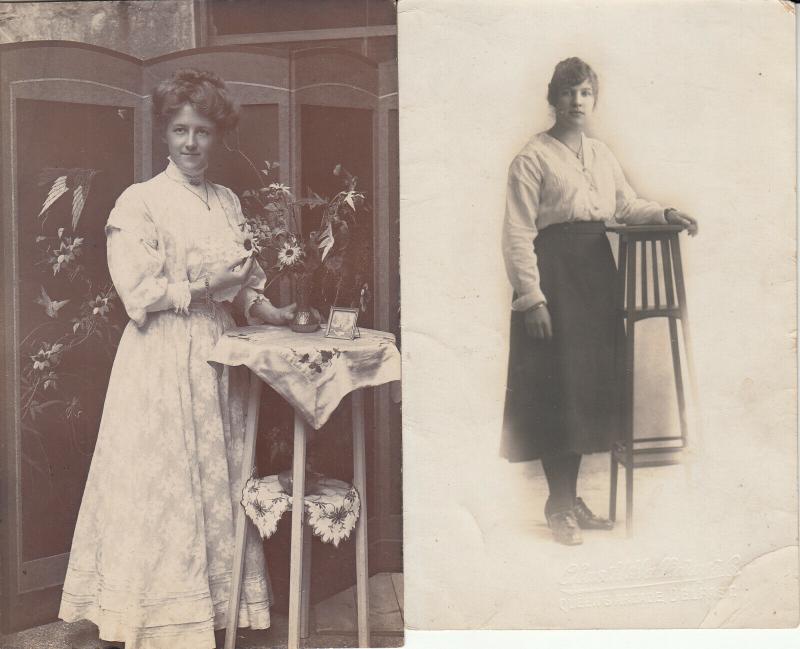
[563, 391]
[152, 550]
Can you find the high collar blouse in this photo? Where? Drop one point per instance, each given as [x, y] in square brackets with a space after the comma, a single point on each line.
[548, 184]
[162, 233]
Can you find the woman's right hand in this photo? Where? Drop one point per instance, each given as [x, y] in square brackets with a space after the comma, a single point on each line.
[229, 275]
[537, 323]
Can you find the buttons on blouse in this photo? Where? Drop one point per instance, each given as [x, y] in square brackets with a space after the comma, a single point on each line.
[592, 194]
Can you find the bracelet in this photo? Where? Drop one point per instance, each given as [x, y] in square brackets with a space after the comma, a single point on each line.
[258, 299]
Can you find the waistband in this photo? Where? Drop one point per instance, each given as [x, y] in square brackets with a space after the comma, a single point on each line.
[575, 227]
[212, 308]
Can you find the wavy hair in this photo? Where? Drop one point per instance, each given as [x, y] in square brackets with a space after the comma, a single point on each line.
[568, 73]
[201, 89]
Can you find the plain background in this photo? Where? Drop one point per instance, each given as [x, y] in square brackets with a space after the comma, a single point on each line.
[697, 100]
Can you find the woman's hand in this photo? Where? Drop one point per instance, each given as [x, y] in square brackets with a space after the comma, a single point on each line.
[537, 322]
[676, 217]
[286, 314]
[265, 311]
[233, 274]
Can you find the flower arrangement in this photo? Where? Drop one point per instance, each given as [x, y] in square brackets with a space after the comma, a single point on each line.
[332, 257]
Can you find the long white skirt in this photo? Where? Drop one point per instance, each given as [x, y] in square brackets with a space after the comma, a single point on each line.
[153, 546]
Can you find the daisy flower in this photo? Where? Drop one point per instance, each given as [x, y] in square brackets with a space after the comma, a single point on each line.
[280, 187]
[290, 254]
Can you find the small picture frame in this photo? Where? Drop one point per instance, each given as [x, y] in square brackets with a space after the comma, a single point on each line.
[342, 323]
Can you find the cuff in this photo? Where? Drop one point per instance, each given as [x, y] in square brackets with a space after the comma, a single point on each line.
[253, 320]
[526, 301]
[659, 215]
[178, 297]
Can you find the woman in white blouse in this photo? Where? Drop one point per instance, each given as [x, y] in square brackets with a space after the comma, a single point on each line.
[153, 544]
[562, 397]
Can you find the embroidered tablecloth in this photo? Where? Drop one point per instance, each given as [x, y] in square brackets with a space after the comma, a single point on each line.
[331, 511]
[312, 372]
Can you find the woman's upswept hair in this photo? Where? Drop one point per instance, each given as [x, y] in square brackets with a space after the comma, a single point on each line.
[203, 90]
[568, 73]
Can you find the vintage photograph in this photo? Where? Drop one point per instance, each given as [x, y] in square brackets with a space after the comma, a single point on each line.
[190, 188]
[342, 324]
[600, 371]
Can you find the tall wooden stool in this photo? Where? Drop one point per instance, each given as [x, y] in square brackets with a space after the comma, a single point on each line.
[659, 270]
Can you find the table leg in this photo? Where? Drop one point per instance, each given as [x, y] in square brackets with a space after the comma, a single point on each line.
[298, 505]
[360, 483]
[240, 536]
[305, 599]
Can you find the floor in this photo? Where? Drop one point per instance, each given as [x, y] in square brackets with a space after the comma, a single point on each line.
[332, 624]
[714, 545]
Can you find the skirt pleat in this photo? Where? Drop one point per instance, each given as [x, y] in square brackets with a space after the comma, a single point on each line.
[564, 395]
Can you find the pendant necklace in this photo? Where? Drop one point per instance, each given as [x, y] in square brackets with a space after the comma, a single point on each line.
[205, 200]
[579, 152]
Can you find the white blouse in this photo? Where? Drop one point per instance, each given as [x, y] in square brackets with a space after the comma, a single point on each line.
[159, 236]
[549, 184]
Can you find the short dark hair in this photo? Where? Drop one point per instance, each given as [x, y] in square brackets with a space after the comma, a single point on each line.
[201, 89]
[568, 73]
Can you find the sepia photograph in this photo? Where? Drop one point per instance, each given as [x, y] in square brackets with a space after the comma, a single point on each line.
[190, 188]
[342, 324]
[599, 316]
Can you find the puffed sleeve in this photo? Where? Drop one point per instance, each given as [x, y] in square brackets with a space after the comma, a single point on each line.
[135, 256]
[519, 231]
[252, 289]
[630, 208]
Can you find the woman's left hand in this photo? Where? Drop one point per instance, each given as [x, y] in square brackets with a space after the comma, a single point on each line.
[286, 313]
[677, 217]
[267, 313]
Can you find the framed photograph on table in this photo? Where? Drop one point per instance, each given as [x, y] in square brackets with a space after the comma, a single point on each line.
[342, 323]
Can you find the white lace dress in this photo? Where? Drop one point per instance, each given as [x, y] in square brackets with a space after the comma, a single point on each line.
[153, 545]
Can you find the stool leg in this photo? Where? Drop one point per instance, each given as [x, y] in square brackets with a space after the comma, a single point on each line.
[305, 599]
[360, 483]
[629, 386]
[612, 500]
[678, 372]
[629, 495]
[622, 263]
[240, 536]
[687, 339]
[298, 506]
[667, 252]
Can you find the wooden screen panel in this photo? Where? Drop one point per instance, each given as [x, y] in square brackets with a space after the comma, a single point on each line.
[331, 136]
[393, 235]
[56, 450]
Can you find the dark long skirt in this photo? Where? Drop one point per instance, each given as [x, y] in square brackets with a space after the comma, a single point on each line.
[563, 395]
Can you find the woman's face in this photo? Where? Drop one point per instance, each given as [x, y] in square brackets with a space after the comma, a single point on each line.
[574, 104]
[190, 138]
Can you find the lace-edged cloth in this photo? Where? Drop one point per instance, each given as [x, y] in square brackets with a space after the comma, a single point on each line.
[332, 511]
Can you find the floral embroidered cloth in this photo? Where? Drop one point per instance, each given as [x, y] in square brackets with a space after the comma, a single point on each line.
[331, 511]
[312, 372]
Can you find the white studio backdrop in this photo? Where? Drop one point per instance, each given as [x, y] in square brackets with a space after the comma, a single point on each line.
[697, 100]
